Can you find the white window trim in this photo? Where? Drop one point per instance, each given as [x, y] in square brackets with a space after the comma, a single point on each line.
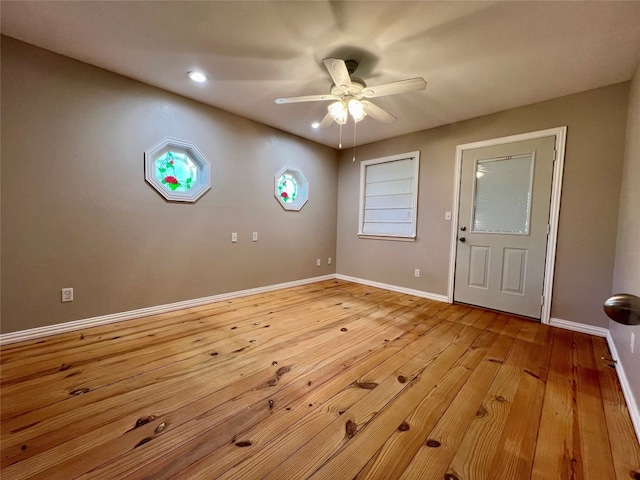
[415, 156]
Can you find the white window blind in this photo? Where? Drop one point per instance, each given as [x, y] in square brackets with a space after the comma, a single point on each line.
[502, 197]
[388, 196]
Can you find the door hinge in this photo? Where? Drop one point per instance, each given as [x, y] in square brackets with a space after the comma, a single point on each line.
[548, 229]
[542, 300]
[555, 155]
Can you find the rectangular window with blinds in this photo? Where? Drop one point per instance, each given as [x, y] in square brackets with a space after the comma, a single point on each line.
[502, 195]
[389, 197]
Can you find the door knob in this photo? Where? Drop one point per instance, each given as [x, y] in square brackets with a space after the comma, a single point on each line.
[462, 239]
[623, 308]
[464, 229]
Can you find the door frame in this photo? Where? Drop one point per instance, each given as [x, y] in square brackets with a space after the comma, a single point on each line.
[560, 134]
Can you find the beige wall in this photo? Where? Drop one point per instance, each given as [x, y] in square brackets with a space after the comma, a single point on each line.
[76, 211]
[589, 210]
[627, 268]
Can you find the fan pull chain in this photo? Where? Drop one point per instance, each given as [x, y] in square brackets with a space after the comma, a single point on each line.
[340, 142]
[355, 124]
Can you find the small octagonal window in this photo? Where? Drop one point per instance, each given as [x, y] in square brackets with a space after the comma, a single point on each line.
[177, 170]
[291, 188]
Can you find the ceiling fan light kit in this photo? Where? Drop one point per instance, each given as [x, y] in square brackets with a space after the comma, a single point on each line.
[338, 112]
[356, 109]
[349, 96]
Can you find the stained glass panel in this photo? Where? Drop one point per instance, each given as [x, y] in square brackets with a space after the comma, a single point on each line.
[287, 188]
[176, 171]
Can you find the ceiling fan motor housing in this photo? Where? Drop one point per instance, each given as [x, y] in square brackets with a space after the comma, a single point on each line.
[351, 65]
[356, 88]
[357, 84]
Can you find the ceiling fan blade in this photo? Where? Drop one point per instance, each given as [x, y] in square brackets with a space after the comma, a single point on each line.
[338, 71]
[377, 113]
[393, 88]
[305, 98]
[327, 121]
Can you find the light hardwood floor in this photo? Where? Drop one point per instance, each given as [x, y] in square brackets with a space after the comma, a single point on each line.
[330, 380]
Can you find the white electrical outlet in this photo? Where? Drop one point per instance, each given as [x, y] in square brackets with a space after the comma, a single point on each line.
[632, 341]
[67, 294]
[234, 237]
[416, 272]
[329, 261]
[318, 262]
[255, 236]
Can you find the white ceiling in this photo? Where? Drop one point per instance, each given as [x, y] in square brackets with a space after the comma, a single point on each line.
[477, 57]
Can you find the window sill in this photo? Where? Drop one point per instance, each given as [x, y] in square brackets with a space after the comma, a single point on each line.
[366, 236]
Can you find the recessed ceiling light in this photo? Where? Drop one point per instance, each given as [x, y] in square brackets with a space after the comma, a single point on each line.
[315, 125]
[198, 77]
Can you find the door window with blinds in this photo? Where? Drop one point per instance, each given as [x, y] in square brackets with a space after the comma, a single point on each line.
[389, 197]
[502, 195]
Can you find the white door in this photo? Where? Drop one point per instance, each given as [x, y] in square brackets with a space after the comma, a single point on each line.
[503, 224]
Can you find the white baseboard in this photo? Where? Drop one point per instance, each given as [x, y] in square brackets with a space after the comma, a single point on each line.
[632, 404]
[34, 333]
[579, 327]
[394, 288]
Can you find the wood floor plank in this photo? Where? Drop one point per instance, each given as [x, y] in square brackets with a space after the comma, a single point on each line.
[626, 452]
[185, 347]
[176, 459]
[396, 437]
[469, 317]
[217, 394]
[590, 417]
[180, 319]
[346, 381]
[441, 443]
[279, 461]
[154, 386]
[185, 443]
[554, 456]
[476, 452]
[516, 447]
[180, 326]
[366, 472]
[484, 319]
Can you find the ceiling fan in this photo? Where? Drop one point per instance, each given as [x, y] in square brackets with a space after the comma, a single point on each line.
[350, 95]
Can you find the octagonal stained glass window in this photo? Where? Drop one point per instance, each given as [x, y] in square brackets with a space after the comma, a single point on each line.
[291, 188]
[177, 170]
